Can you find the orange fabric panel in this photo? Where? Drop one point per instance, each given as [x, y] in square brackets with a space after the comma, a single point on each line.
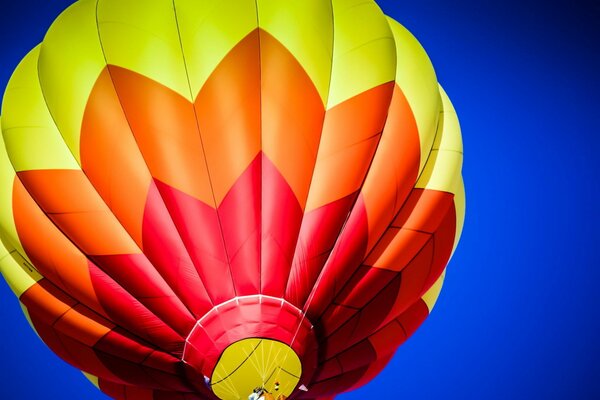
[61, 191]
[53, 308]
[51, 252]
[82, 325]
[397, 248]
[395, 167]
[290, 104]
[165, 129]
[424, 210]
[111, 159]
[340, 174]
[71, 201]
[351, 133]
[228, 110]
[96, 233]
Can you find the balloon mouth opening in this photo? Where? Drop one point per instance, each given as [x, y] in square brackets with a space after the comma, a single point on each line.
[256, 362]
[248, 342]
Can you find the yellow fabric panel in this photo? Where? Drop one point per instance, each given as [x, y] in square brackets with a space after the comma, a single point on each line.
[448, 124]
[8, 230]
[92, 378]
[18, 273]
[16, 268]
[31, 137]
[443, 168]
[364, 54]
[3, 251]
[209, 29]
[152, 47]
[305, 28]
[432, 295]
[416, 77]
[70, 61]
[442, 171]
[254, 362]
[460, 207]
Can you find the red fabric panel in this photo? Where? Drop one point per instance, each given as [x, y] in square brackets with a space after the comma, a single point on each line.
[102, 364]
[357, 356]
[335, 316]
[365, 322]
[165, 249]
[138, 375]
[73, 345]
[373, 370]
[86, 359]
[149, 289]
[198, 225]
[328, 369]
[365, 284]
[386, 340]
[318, 234]
[239, 214]
[347, 255]
[164, 362]
[136, 393]
[413, 317]
[112, 389]
[414, 277]
[51, 339]
[118, 342]
[444, 242]
[133, 316]
[281, 220]
[400, 294]
[370, 356]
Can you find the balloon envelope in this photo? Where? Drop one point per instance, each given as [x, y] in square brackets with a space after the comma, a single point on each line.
[201, 198]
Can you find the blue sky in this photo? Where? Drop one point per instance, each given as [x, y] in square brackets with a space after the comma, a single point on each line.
[518, 314]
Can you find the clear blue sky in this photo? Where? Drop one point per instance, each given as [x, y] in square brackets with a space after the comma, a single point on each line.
[518, 317]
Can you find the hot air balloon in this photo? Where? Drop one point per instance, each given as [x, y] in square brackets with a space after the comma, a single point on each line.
[198, 198]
